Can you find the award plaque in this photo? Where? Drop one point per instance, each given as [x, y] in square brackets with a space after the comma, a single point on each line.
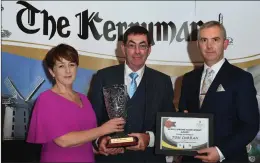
[115, 98]
[183, 133]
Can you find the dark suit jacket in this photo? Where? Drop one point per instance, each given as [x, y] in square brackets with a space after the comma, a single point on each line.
[236, 117]
[158, 98]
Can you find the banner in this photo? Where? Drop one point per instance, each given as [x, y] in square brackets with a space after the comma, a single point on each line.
[30, 28]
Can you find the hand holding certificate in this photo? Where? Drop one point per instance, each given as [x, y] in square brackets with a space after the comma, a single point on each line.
[183, 134]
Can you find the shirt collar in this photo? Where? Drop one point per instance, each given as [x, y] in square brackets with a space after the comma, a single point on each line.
[128, 71]
[216, 67]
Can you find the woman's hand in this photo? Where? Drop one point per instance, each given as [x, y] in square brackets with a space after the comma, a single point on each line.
[113, 125]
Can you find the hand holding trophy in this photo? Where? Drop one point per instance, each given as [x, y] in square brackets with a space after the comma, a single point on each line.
[115, 97]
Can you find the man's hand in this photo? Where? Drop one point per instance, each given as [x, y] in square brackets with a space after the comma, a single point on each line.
[143, 141]
[211, 156]
[108, 151]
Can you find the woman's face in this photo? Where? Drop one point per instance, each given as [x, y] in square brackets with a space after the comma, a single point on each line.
[64, 72]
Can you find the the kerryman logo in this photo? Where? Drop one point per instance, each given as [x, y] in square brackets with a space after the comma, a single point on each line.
[87, 23]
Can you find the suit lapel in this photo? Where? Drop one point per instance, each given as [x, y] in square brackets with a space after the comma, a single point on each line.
[120, 74]
[197, 82]
[150, 94]
[219, 79]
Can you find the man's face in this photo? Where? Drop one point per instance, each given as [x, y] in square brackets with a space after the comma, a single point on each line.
[136, 51]
[212, 45]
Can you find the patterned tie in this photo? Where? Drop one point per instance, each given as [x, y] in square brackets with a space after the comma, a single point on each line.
[206, 84]
[133, 84]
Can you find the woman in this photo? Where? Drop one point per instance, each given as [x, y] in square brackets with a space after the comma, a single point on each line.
[63, 120]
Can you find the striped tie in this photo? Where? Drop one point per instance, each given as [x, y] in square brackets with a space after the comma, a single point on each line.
[206, 84]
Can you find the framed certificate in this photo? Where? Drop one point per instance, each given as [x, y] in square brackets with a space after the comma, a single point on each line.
[183, 133]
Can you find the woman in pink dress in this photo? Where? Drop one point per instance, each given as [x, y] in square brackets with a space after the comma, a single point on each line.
[63, 120]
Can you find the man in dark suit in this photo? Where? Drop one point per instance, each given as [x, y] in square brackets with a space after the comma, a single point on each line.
[154, 94]
[225, 91]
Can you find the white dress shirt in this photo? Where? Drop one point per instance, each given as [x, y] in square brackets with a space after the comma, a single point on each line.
[127, 80]
[216, 67]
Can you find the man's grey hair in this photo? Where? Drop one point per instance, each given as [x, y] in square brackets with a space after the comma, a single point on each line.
[213, 23]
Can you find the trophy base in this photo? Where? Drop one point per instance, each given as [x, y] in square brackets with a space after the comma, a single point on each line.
[122, 142]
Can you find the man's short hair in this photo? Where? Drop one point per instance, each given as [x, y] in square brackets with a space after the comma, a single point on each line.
[213, 23]
[139, 30]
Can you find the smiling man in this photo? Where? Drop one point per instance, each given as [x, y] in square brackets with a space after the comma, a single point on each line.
[153, 93]
[226, 91]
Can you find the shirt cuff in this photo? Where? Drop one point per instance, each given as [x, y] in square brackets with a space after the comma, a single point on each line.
[96, 142]
[221, 156]
[169, 159]
[151, 142]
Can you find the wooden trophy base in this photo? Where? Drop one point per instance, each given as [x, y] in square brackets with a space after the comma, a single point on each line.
[122, 142]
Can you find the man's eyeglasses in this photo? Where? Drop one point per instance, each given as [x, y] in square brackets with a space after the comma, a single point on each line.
[133, 46]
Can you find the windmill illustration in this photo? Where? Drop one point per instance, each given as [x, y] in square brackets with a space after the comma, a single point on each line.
[17, 109]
